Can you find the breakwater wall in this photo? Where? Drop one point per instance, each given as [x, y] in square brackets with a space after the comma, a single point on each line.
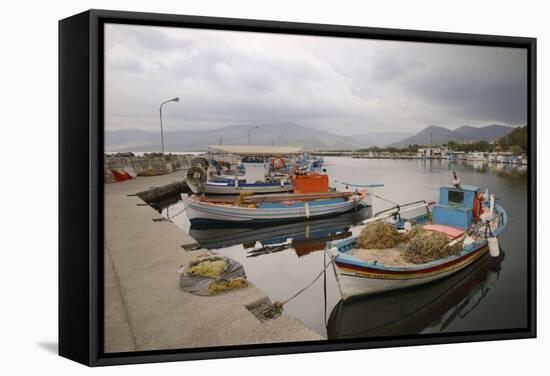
[148, 164]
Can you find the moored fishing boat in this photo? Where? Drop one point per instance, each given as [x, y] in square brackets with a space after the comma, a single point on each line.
[271, 208]
[476, 156]
[469, 219]
[199, 183]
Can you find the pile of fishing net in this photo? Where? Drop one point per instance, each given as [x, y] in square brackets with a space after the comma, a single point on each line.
[378, 235]
[425, 246]
[241, 201]
[212, 275]
[407, 236]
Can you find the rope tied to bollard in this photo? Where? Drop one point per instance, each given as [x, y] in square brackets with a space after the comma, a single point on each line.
[274, 310]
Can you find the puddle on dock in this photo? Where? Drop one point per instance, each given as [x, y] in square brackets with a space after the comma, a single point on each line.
[491, 294]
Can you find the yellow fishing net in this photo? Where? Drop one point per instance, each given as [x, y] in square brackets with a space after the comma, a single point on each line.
[222, 285]
[378, 235]
[210, 269]
[428, 246]
[212, 275]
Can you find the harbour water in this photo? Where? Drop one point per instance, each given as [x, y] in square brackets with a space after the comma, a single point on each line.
[492, 294]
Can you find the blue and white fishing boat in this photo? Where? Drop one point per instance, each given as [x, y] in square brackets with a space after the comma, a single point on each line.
[271, 208]
[463, 213]
[199, 183]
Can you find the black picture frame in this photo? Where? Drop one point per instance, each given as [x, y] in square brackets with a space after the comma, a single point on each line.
[81, 190]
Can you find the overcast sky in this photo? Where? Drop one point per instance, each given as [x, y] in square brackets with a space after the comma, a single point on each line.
[342, 85]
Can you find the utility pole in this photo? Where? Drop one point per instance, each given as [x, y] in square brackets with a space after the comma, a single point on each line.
[249, 130]
[160, 112]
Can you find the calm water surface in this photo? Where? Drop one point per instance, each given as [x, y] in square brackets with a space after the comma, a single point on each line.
[492, 294]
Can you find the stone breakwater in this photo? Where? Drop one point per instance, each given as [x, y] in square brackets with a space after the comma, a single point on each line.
[148, 164]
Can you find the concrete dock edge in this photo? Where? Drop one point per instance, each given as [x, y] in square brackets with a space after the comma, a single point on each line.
[144, 307]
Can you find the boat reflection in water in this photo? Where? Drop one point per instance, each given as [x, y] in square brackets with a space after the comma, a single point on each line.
[304, 236]
[411, 311]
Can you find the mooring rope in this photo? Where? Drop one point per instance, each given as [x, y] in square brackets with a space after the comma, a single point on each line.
[383, 199]
[175, 215]
[274, 310]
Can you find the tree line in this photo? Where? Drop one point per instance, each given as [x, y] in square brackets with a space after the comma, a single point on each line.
[515, 142]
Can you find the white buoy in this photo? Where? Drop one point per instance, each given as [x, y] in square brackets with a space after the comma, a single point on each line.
[407, 226]
[492, 204]
[306, 207]
[494, 249]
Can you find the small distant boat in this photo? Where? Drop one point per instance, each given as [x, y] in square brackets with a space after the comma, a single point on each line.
[271, 208]
[505, 158]
[463, 213]
[524, 160]
[476, 156]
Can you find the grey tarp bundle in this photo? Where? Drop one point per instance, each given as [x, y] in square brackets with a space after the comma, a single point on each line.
[199, 285]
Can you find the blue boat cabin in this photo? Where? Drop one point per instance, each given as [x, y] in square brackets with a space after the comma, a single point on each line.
[457, 206]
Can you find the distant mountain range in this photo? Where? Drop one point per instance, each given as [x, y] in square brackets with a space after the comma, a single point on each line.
[290, 134]
[440, 135]
[267, 134]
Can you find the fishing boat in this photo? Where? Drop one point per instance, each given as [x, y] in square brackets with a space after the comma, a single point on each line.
[220, 170]
[470, 220]
[199, 183]
[271, 207]
[476, 156]
[212, 236]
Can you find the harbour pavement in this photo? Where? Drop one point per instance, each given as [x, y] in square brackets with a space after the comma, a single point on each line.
[145, 309]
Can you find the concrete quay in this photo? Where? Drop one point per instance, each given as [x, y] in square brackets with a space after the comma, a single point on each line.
[148, 162]
[144, 307]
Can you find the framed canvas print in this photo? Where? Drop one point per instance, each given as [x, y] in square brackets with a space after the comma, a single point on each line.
[259, 187]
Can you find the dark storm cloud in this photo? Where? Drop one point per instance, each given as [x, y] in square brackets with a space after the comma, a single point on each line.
[343, 85]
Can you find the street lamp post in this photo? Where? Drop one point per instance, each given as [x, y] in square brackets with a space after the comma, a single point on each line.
[160, 111]
[249, 130]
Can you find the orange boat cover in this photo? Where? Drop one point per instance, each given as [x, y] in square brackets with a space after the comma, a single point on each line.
[310, 183]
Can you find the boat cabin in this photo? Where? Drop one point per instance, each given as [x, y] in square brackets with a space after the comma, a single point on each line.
[457, 206]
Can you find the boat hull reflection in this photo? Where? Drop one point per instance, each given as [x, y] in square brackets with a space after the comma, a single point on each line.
[406, 312]
[214, 237]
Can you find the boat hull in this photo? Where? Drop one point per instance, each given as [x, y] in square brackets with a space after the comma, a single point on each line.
[229, 188]
[361, 283]
[198, 211]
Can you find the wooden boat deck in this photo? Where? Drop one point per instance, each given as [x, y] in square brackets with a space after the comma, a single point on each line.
[390, 256]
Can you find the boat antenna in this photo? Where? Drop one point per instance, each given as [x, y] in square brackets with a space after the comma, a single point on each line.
[456, 180]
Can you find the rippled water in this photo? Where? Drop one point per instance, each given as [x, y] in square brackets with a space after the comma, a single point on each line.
[491, 294]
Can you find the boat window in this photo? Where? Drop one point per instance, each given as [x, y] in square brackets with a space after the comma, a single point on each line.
[456, 197]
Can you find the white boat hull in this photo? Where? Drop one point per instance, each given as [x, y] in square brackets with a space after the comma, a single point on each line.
[354, 285]
[204, 211]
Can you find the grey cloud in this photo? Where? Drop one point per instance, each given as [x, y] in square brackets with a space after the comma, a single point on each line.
[343, 85]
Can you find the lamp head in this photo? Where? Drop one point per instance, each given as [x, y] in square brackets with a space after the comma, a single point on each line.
[176, 99]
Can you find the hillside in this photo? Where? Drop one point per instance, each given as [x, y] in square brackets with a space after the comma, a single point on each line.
[516, 138]
[267, 134]
[440, 135]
